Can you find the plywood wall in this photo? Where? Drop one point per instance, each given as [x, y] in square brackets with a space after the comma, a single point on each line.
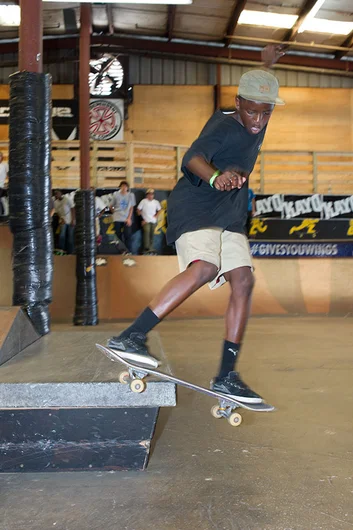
[168, 114]
[313, 119]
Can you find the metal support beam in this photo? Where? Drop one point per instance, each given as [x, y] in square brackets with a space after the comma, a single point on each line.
[170, 22]
[233, 21]
[217, 102]
[348, 43]
[215, 53]
[70, 20]
[306, 8]
[110, 17]
[30, 45]
[192, 52]
[85, 41]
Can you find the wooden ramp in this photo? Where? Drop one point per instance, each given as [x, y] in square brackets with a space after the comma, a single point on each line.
[16, 332]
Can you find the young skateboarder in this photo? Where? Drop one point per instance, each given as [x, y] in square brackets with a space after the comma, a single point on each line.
[207, 213]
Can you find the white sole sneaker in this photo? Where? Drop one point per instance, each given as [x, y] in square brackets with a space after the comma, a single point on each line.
[251, 401]
[135, 358]
[242, 399]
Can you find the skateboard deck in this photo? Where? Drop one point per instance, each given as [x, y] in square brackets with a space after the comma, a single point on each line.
[227, 404]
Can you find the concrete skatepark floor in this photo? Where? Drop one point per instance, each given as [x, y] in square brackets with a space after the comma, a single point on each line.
[287, 470]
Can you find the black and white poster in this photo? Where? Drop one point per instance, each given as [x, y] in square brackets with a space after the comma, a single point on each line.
[64, 118]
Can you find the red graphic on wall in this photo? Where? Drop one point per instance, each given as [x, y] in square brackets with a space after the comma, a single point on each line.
[105, 120]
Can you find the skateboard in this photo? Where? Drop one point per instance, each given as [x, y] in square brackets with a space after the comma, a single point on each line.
[136, 374]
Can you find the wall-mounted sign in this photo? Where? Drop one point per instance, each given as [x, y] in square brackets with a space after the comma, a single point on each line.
[64, 113]
[304, 229]
[107, 119]
[316, 205]
[267, 249]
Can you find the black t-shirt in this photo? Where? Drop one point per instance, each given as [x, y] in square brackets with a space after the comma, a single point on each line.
[194, 204]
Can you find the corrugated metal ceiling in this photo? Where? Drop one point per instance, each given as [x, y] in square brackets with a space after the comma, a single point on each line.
[205, 20]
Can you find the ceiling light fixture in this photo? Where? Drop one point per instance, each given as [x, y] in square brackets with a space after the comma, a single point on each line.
[309, 17]
[331, 27]
[10, 15]
[264, 18]
[314, 25]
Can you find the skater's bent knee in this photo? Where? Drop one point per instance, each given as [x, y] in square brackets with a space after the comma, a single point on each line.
[242, 281]
[204, 271]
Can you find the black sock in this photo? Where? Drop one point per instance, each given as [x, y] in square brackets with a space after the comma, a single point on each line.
[144, 323]
[229, 358]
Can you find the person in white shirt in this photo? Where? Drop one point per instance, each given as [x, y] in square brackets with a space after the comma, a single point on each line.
[122, 206]
[4, 169]
[65, 209]
[148, 209]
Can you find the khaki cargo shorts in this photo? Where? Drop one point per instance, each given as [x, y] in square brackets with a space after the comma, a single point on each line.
[227, 250]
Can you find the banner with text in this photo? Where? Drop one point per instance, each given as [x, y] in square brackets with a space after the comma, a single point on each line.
[267, 249]
[313, 206]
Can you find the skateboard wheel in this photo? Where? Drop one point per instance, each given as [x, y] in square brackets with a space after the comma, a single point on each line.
[124, 377]
[137, 385]
[216, 412]
[235, 419]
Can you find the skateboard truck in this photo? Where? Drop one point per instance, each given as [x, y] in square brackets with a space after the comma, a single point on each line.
[225, 410]
[134, 378]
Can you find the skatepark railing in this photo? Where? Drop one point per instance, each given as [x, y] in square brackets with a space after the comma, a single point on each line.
[146, 165]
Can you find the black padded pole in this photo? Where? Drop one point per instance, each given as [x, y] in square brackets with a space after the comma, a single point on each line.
[86, 310]
[29, 195]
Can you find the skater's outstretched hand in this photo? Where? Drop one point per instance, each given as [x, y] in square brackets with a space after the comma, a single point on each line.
[272, 53]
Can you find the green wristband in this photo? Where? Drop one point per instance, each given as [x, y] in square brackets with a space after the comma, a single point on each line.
[213, 178]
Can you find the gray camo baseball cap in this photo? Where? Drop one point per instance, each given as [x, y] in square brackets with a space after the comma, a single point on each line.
[259, 85]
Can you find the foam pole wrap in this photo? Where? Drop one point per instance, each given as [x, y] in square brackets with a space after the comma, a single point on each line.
[86, 309]
[29, 195]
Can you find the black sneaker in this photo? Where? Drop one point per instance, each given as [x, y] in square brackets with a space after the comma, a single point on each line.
[235, 387]
[133, 347]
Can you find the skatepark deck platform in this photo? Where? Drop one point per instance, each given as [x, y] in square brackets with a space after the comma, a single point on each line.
[61, 407]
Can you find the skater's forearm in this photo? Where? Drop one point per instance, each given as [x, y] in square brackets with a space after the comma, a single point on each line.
[199, 167]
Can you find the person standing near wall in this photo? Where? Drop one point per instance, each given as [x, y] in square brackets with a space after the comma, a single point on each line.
[65, 209]
[148, 209]
[4, 170]
[122, 207]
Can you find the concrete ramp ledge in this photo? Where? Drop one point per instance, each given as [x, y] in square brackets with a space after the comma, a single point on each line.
[88, 395]
[61, 407]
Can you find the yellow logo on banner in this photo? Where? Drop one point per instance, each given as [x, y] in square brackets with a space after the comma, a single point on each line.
[161, 225]
[350, 228]
[111, 229]
[308, 225]
[257, 225]
[109, 221]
